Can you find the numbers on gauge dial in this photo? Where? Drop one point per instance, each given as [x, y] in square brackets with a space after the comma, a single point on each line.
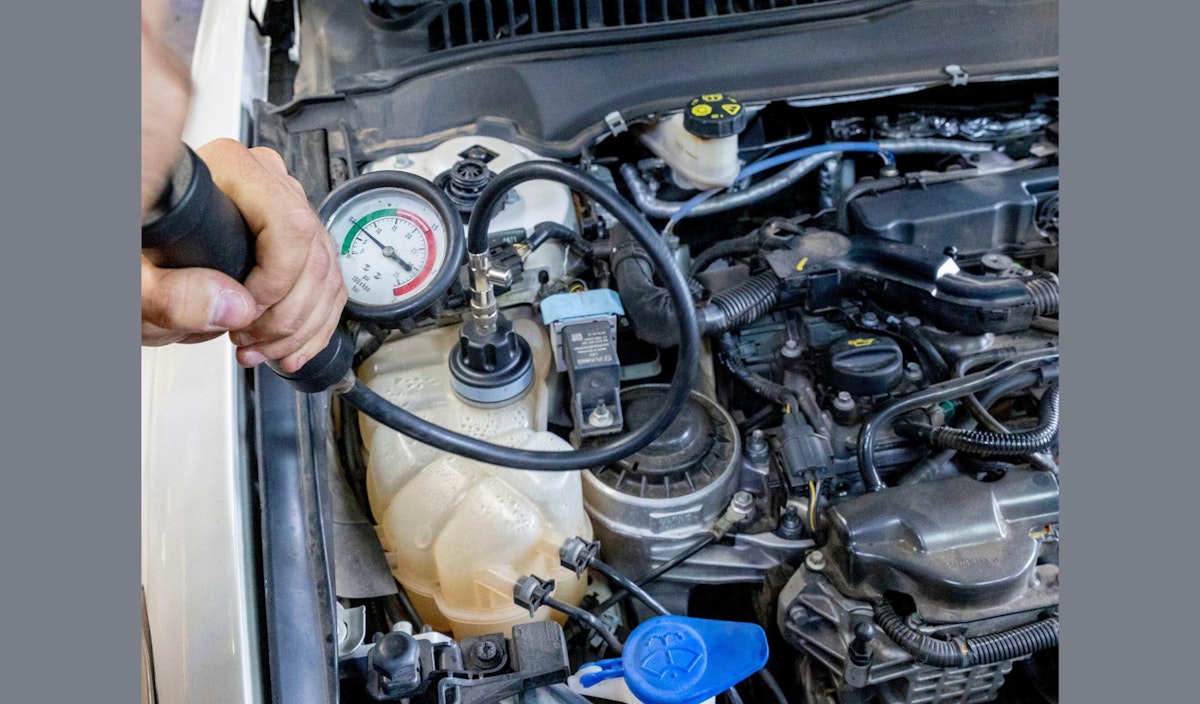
[390, 245]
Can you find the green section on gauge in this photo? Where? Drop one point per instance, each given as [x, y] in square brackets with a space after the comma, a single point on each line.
[360, 224]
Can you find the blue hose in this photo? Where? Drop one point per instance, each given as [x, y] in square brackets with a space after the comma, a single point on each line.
[780, 160]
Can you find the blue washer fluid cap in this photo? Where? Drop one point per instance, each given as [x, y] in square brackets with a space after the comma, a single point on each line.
[682, 660]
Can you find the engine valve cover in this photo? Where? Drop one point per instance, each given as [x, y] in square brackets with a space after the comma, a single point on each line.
[953, 544]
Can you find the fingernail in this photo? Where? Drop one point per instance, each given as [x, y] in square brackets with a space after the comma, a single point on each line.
[252, 359]
[229, 310]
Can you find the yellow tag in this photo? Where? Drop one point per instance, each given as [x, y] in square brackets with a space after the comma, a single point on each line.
[861, 342]
[732, 108]
[701, 110]
[800, 264]
[713, 97]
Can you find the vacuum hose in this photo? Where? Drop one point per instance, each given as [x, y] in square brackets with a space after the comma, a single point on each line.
[990, 444]
[677, 292]
[966, 652]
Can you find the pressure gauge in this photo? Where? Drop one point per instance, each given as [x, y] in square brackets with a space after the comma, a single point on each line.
[399, 243]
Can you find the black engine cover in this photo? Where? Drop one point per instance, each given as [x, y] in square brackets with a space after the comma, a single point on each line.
[955, 545]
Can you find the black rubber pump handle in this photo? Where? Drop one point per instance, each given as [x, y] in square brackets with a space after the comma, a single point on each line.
[194, 224]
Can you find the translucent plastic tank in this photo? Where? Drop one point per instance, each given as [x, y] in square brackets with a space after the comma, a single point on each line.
[459, 533]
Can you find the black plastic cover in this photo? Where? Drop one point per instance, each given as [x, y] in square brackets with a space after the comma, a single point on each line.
[590, 352]
[907, 276]
[865, 365]
[959, 542]
[394, 666]
[974, 215]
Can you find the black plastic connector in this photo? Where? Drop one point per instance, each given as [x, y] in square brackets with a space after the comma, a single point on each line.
[531, 592]
[577, 554]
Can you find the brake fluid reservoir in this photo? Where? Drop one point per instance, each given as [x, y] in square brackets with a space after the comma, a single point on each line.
[459, 533]
[701, 143]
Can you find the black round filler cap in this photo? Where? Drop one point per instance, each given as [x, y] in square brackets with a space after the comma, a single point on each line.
[715, 115]
[865, 365]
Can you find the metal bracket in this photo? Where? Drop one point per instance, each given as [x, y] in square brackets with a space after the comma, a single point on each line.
[958, 75]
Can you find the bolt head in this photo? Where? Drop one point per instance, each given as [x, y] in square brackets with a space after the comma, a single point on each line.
[815, 561]
[486, 651]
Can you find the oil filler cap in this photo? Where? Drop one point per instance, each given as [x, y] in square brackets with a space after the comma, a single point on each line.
[715, 115]
[683, 660]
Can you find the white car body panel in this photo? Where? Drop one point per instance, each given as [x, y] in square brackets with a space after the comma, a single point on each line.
[197, 553]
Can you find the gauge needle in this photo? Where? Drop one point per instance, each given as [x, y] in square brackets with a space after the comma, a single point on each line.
[389, 252]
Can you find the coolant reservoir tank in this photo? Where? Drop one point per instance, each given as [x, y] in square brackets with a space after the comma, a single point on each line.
[701, 143]
[459, 533]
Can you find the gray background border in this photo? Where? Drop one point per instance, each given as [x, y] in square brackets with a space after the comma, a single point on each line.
[69, 434]
[69, 507]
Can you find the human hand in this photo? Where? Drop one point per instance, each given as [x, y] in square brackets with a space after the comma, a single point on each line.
[291, 301]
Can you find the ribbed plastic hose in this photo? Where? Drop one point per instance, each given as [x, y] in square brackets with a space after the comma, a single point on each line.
[966, 652]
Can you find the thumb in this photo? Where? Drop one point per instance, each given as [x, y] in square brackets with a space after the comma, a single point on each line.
[194, 300]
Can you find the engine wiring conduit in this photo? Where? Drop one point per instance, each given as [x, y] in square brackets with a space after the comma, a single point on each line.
[992, 444]
[966, 652]
[947, 390]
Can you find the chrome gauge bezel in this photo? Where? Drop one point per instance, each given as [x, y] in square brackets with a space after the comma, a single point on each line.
[446, 270]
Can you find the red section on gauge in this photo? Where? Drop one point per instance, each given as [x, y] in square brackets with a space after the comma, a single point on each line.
[431, 246]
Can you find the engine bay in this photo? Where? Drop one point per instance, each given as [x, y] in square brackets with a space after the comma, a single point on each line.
[865, 464]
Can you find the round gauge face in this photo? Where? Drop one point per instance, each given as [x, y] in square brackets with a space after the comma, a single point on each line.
[391, 244]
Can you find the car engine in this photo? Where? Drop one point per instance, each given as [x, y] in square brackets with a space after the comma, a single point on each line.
[867, 466]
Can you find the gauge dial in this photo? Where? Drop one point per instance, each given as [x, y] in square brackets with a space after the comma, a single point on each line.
[395, 236]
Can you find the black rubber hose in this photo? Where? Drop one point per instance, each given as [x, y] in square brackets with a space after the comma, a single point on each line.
[937, 466]
[648, 305]
[772, 686]
[586, 617]
[686, 367]
[659, 571]
[627, 584]
[746, 244]
[934, 362]
[966, 652]
[744, 303]
[410, 609]
[987, 443]
[954, 388]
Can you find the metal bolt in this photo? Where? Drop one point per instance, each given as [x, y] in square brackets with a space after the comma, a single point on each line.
[912, 372]
[486, 652]
[743, 501]
[844, 401]
[912, 321]
[870, 320]
[600, 416]
[815, 561]
[797, 613]
[791, 349]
